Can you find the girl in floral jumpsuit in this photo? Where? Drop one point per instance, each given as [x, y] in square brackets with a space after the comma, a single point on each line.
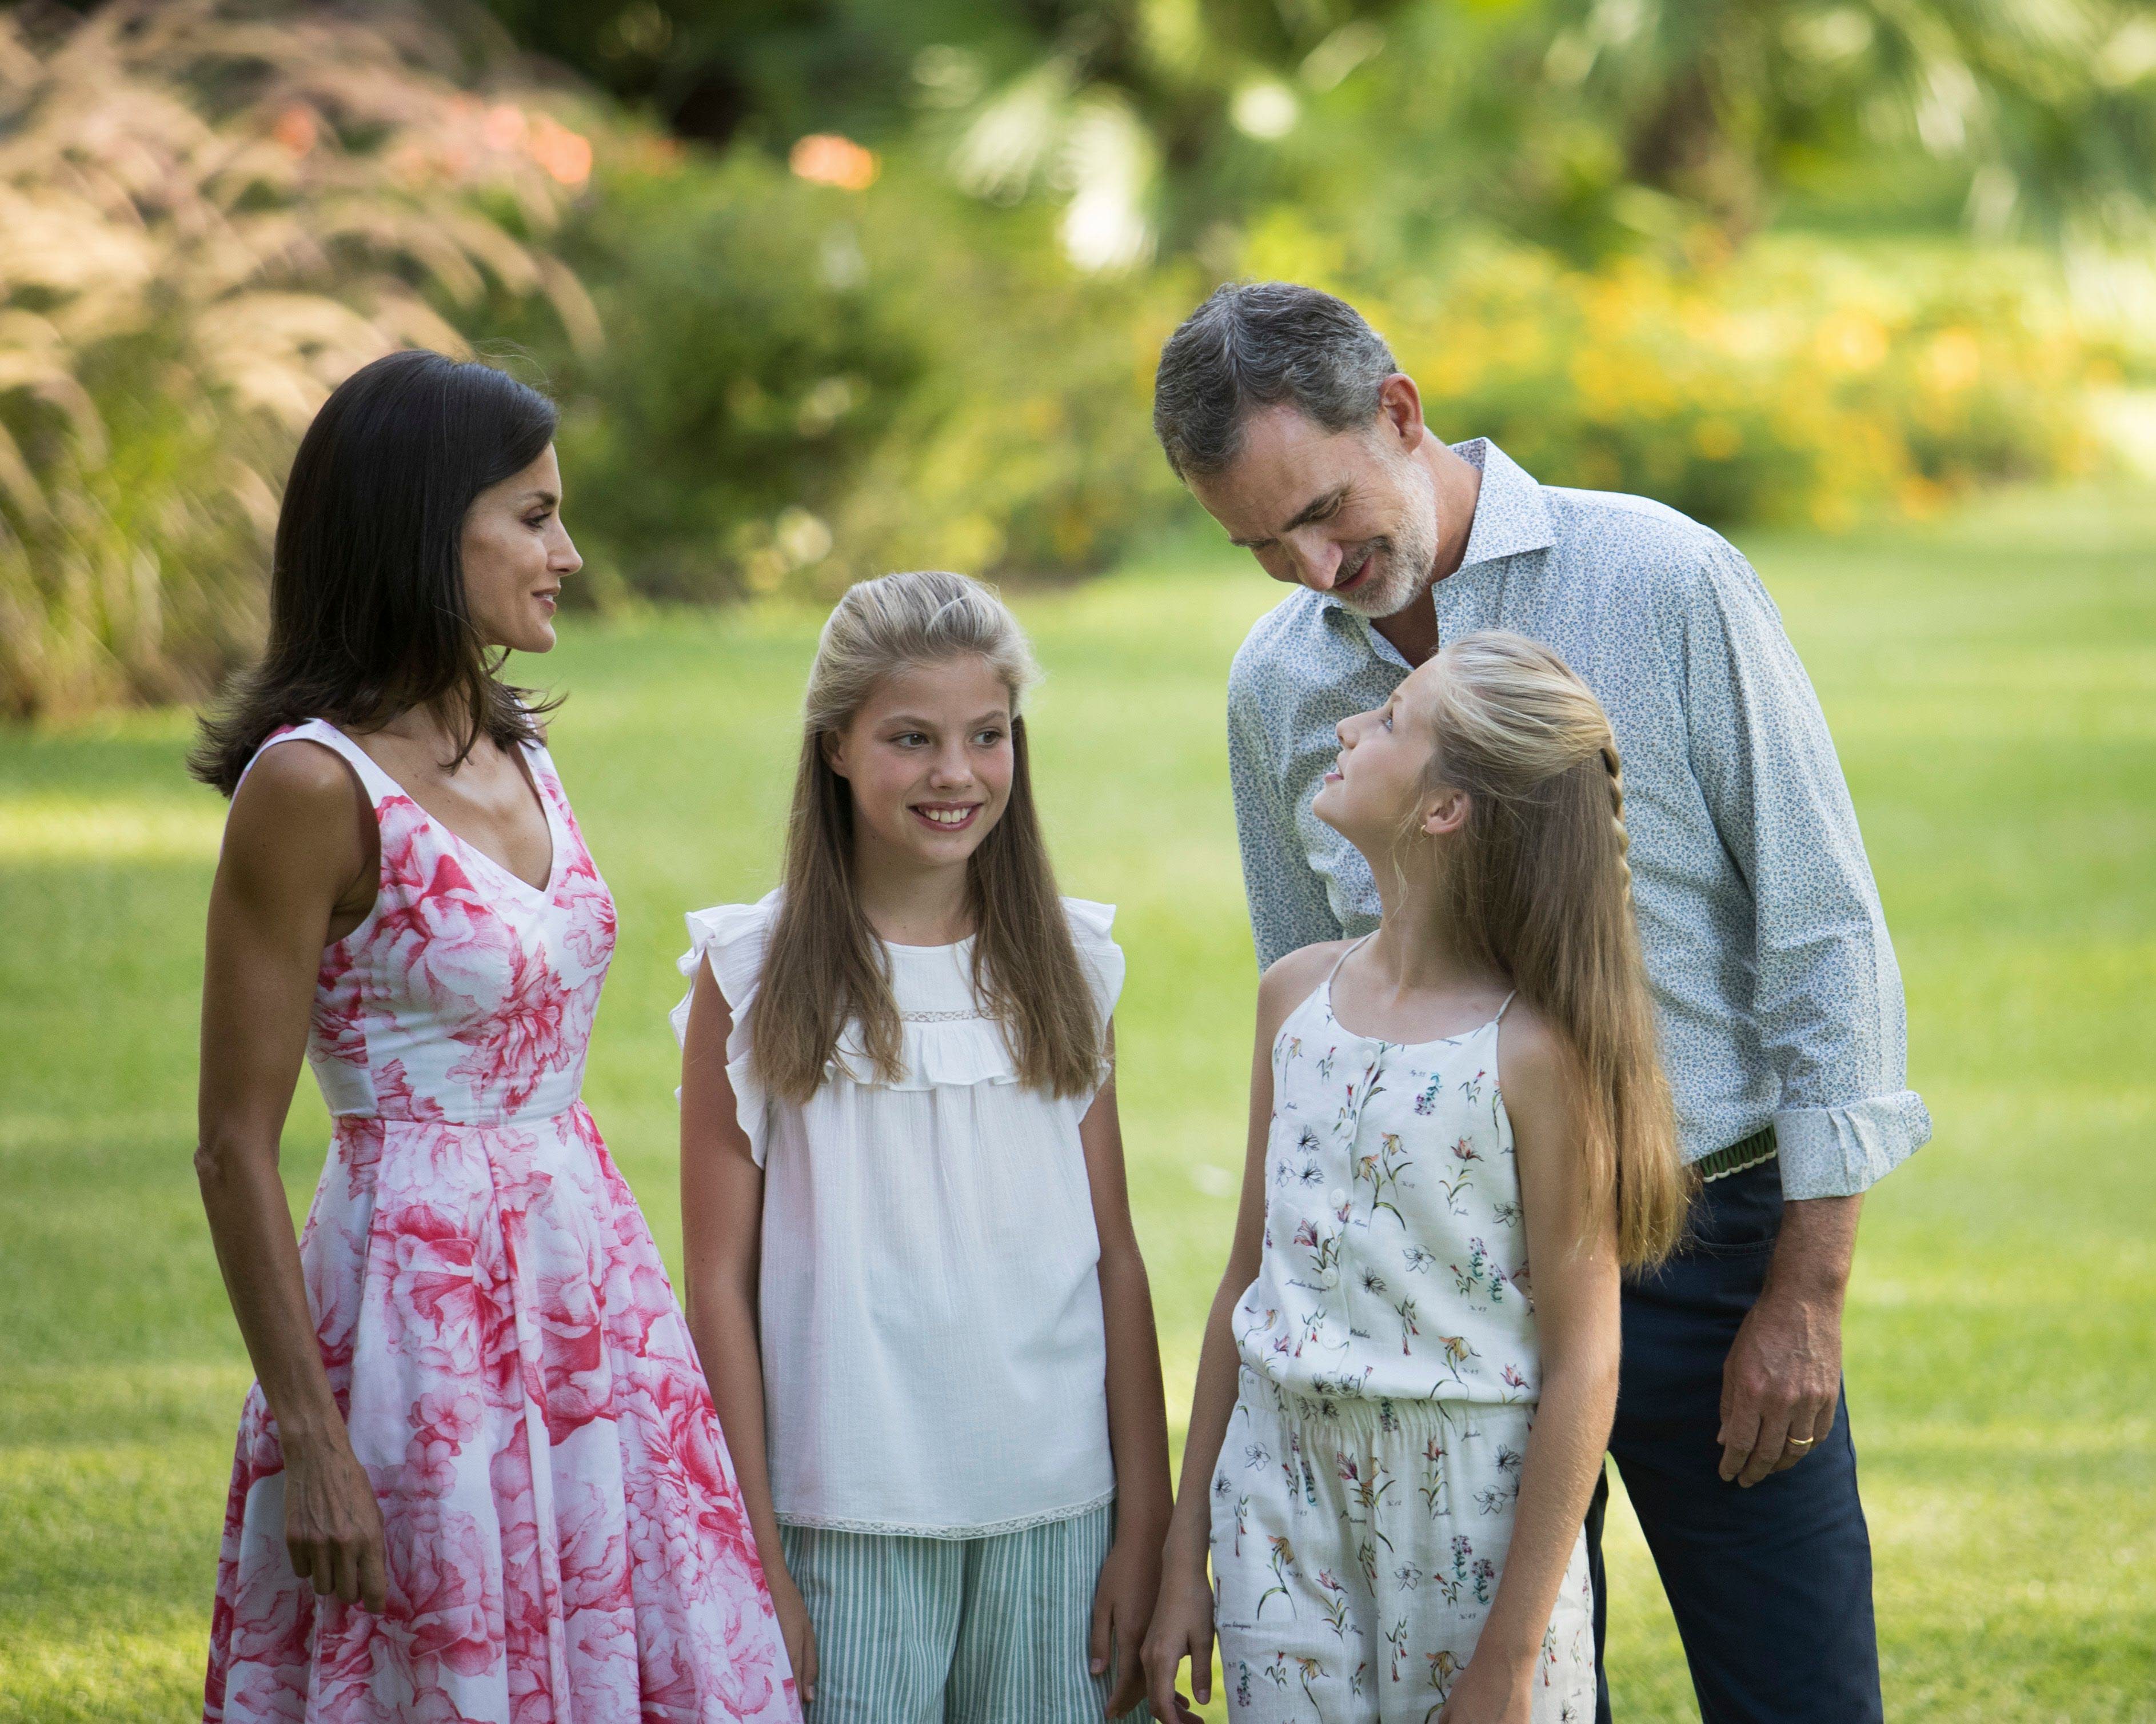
[1397, 1426]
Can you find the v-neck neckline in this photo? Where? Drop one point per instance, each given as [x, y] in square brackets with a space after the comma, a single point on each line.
[528, 770]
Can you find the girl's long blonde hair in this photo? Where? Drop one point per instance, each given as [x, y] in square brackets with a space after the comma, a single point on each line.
[1538, 887]
[826, 967]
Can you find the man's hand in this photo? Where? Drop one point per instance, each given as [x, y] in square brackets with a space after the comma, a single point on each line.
[1782, 1378]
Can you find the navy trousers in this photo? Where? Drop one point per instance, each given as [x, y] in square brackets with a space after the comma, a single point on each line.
[1771, 1587]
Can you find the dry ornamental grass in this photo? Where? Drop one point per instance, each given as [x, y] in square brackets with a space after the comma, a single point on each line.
[209, 214]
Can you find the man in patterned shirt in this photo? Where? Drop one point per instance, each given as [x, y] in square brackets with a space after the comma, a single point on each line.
[1778, 1001]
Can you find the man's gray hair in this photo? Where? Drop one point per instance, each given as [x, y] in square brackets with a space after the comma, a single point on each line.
[1259, 344]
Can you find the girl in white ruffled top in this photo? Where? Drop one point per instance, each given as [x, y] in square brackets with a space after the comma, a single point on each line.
[911, 1274]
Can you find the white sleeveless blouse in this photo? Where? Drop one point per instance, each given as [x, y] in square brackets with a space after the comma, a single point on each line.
[935, 1361]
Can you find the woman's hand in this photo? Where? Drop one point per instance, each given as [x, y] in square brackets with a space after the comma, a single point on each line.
[333, 1524]
[1491, 1691]
[1182, 1628]
[1123, 1605]
[794, 1626]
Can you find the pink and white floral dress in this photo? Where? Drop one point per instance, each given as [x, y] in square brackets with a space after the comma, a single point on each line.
[565, 1538]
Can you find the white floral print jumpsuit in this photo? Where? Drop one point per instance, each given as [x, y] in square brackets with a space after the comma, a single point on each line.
[1362, 1502]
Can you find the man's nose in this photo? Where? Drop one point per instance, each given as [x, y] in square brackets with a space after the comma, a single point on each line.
[1318, 557]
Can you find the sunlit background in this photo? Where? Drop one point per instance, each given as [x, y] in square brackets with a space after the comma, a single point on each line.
[829, 287]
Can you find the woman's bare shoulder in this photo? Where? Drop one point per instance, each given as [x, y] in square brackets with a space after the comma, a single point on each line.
[296, 813]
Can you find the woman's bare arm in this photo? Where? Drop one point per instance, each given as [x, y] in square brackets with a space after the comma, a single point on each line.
[295, 863]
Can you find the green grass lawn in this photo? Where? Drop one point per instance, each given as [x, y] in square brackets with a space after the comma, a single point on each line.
[1991, 684]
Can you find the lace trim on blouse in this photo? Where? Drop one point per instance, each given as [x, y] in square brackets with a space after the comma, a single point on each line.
[992, 1529]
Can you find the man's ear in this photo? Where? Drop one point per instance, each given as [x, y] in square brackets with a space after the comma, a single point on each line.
[1399, 405]
[1446, 811]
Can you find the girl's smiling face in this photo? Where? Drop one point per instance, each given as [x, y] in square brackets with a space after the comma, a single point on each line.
[1377, 783]
[929, 759]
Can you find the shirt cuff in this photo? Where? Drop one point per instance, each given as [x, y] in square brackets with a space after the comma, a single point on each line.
[1838, 1152]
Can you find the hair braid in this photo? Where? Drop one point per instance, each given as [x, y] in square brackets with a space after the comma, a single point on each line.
[1527, 882]
[1615, 768]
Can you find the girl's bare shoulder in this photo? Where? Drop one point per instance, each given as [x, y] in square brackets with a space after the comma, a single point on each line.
[1289, 978]
[1535, 1067]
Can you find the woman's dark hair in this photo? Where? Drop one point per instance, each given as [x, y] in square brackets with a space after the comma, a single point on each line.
[367, 616]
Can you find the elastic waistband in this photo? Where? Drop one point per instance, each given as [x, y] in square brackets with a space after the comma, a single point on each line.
[1372, 1415]
[536, 1115]
[1746, 1152]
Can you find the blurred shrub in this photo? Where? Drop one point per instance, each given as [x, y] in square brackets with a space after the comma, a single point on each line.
[1793, 380]
[1028, 451]
[208, 216]
[803, 384]
[786, 377]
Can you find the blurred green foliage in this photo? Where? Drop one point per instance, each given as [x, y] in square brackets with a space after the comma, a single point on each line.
[801, 384]
[831, 286]
[1582, 123]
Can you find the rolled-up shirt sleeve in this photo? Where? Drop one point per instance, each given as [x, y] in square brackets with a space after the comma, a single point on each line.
[1827, 994]
[1288, 905]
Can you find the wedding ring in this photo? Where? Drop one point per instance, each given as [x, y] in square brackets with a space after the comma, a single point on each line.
[1802, 1442]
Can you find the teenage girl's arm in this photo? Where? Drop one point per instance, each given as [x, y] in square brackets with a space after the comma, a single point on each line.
[298, 863]
[1138, 1410]
[1182, 1622]
[1574, 1255]
[722, 1243]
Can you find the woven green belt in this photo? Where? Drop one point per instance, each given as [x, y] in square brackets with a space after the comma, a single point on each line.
[1745, 1153]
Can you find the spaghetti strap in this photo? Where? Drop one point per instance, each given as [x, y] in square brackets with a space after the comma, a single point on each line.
[1342, 959]
[1502, 1009]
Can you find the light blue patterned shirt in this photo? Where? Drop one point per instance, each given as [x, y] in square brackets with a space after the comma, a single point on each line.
[1779, 1000]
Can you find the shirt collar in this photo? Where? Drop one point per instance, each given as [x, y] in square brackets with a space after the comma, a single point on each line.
[1510, 517]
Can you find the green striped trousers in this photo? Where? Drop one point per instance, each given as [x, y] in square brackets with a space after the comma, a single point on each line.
[990, 1631]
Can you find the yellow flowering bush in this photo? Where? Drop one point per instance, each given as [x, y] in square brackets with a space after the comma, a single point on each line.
[1794, 382]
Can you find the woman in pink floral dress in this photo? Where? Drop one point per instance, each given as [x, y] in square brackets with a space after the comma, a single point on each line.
[480, 1476]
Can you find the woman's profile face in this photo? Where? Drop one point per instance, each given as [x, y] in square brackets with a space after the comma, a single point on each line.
[516, 554]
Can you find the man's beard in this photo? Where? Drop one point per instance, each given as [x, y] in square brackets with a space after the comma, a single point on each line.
[1408, 556]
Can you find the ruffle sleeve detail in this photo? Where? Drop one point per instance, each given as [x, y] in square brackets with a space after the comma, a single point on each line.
[731, 938]
[1101, 956]
[1098, 955]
